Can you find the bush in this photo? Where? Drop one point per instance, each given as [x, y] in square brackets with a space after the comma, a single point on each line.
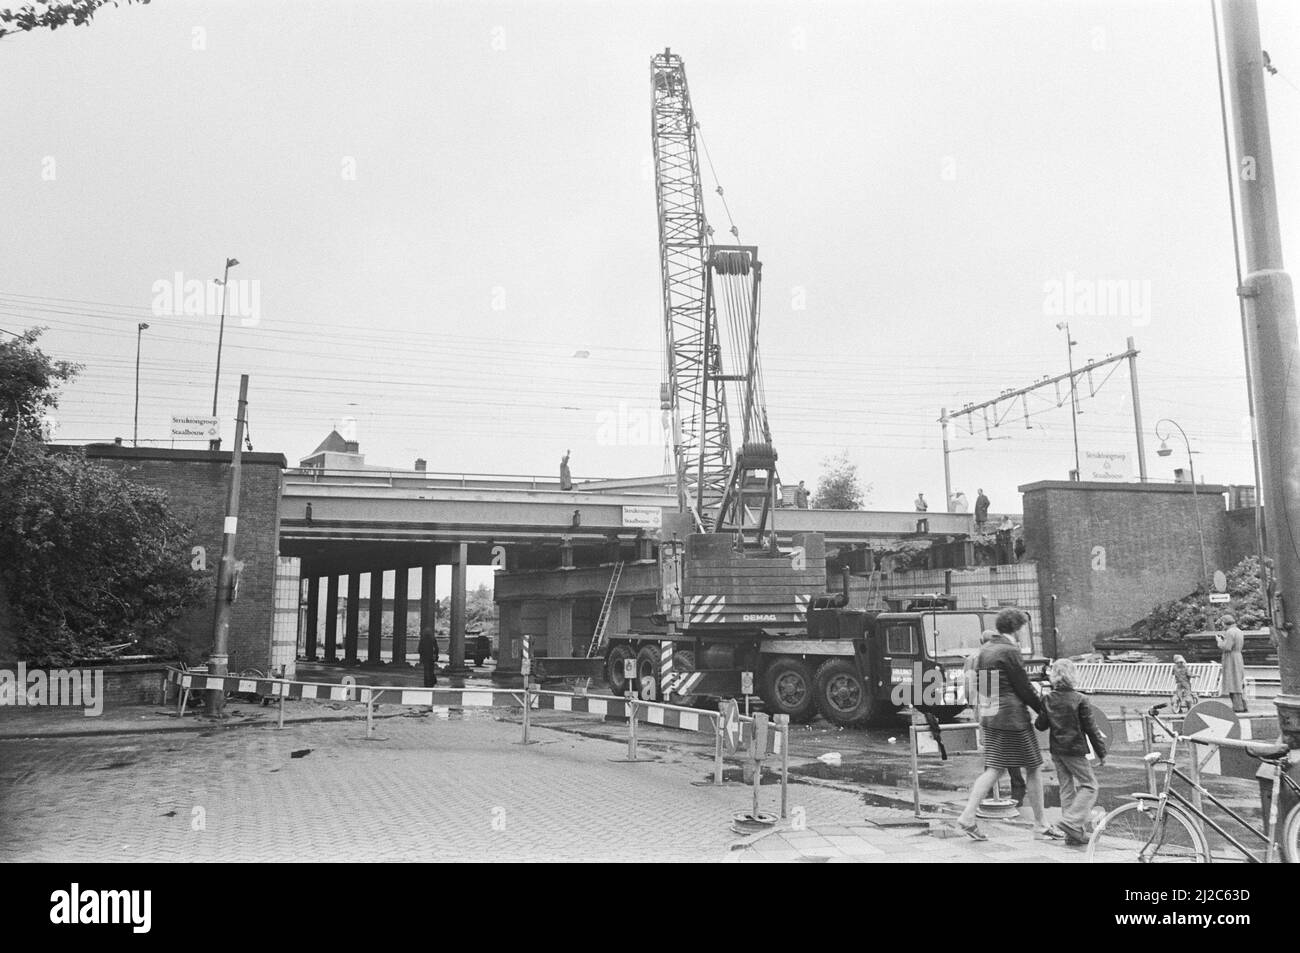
[90, 561]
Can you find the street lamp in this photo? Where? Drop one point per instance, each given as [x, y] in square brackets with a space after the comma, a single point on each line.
[135, 429]
[221, 336]
[1074, 401]
[1164, 451]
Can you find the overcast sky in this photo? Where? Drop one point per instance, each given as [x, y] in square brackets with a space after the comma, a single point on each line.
[441, 207]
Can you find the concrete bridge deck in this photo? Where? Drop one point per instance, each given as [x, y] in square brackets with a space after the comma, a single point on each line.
[413, 507]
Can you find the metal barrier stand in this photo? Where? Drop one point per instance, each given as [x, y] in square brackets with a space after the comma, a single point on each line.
[783, 726]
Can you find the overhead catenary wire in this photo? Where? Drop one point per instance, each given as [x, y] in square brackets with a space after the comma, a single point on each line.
[804, 417]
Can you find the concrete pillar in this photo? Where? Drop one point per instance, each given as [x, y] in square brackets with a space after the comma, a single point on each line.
[375, 645]
[401, 594]
[313, 616]
[353, 617]
[332, 619]
[456, 652]
[559, 628]
[429, 596]
[508, 634]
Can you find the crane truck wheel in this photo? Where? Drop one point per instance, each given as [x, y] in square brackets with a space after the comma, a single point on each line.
[618, 654]
[684, 661]
[842, 693]
[787, 688]
[647, 663]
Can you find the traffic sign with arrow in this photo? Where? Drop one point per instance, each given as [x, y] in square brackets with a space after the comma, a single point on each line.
[729, 712]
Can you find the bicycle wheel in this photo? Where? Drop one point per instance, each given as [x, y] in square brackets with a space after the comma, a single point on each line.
[1291, 836]
[1128, 835]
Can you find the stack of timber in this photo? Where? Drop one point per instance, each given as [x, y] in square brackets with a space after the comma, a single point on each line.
[723, 586]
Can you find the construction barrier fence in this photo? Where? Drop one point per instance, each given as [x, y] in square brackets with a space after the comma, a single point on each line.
[529, 698]
[1145, 678]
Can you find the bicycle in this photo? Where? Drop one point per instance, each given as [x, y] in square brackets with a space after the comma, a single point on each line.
[1169, 828]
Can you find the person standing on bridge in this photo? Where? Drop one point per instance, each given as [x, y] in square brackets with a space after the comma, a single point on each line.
[429, 655]
[566, 478]
[921, 505]
[981, 509]
[801, 496]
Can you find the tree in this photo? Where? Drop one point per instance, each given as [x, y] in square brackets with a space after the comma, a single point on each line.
[480, 611]
[89, 561]
[51, 14]
[839, 487]
[29, 385]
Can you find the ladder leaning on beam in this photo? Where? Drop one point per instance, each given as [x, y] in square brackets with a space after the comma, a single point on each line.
[606, 610]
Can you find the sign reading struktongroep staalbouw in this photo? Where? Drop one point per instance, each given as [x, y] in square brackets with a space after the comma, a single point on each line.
[1105, 465]
[194, 427]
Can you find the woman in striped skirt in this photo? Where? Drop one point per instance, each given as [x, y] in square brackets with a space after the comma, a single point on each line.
[1009, 739]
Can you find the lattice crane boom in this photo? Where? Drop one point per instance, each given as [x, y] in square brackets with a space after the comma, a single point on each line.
[694, 393]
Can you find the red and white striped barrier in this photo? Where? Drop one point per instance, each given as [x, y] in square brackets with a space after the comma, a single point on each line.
[631, 708]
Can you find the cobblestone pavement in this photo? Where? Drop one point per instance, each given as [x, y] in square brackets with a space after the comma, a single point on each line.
[434, 788]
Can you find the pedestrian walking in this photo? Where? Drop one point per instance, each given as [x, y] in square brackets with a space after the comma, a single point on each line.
[1067, 716]
[1230, 643]
[1009, 739]
[566, 478]
[429, 656]
[981, 509]
[1184, 698]
[1014, 775]
[921, 505]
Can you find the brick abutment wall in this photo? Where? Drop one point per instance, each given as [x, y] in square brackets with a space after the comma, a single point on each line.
[196, 483]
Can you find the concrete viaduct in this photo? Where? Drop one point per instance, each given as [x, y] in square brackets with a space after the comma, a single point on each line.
[345, 523]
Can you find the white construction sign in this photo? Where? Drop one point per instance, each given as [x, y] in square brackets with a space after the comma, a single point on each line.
[643, 517]
[187, 427]
[1105, 466]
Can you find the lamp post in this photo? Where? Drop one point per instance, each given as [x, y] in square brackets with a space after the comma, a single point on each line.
[1164, 451]
[135, 427]
[221, 336]
[1074, 402]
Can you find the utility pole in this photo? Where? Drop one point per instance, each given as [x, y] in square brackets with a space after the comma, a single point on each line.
[1272, 342]
[219, 657]
[135, 426]
[1074, 400]
[947, 470]
[1137, 411]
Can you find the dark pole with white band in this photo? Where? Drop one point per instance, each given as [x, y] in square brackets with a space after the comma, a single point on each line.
[1273, 343]
[219, 658]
